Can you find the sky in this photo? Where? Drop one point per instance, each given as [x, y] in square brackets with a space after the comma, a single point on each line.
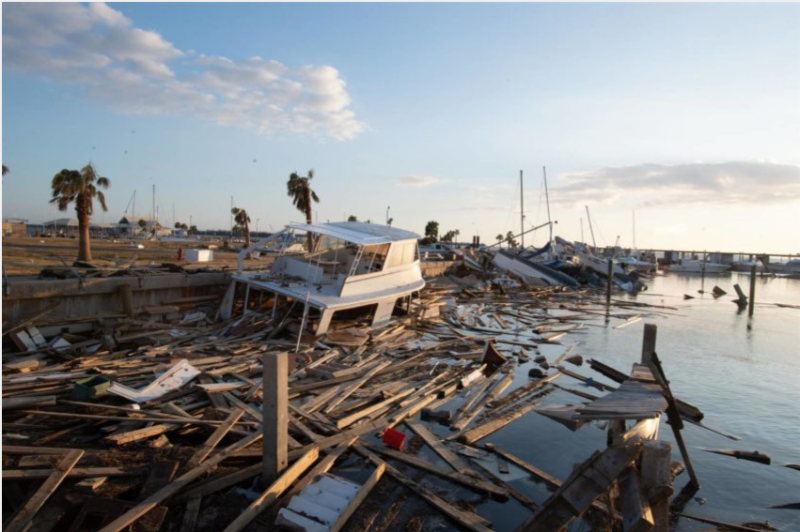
[684, 117]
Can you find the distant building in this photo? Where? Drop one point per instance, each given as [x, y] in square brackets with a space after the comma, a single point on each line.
[15, 227]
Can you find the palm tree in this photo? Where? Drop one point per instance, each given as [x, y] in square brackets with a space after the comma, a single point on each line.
[299, 189]
[500, 239]
[81, 188]
[6, 169]
[243, 223]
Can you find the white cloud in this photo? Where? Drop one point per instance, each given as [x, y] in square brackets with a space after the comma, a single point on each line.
[416, 181]
[734, 182]
[138, 71]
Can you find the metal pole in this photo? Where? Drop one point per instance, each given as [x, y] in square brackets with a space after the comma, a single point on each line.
[752, 290]
[610, 280]
[521, 212]
[275, 416]
[547, 200]
[591, 229]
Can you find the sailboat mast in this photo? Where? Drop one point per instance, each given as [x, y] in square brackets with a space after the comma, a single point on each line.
[591, 229]
[547, 199]
[521, 212]
[582, 229]
[633, 214]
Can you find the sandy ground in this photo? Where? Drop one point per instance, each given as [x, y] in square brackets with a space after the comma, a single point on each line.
[28, 256]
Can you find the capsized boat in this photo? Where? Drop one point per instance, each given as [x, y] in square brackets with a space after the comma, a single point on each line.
[525, 266]
[628, 282]
[352, 265]
[630, 264]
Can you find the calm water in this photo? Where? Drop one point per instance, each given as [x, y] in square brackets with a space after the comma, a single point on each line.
[742, 373]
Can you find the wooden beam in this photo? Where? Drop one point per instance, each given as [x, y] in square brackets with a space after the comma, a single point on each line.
[636, 513]
[211, 443]
[359, 498]
[457, 463]
[275, 411]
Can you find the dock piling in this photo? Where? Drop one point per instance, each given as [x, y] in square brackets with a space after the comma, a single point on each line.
[275, 414]
[752, 290]
[610, 280]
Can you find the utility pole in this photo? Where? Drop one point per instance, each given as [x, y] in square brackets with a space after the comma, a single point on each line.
[521, 213]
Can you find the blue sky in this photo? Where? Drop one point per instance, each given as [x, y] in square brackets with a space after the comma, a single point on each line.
[687, 113]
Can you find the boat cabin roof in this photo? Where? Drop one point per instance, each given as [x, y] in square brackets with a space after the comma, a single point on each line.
[360, 233]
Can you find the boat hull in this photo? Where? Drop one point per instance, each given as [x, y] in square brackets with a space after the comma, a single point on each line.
[532, 272]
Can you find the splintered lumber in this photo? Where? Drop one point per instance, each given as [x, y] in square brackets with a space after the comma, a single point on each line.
[359, 498]
[349, 390]
[424, 465]
[467, 405]
[25, 515]
[481, 431]
[75, 472]
[135, 513]
[220, 432]
[521, 497]
[275, 490]
[364, 412]
[636, 513]
[722, 524]
[752, 456]
[10, 403]
[439, 448]
[539, 474]
[584, 485]
[467, 520]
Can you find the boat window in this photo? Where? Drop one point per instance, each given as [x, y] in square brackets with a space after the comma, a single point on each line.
[403, 253]
[372, 259]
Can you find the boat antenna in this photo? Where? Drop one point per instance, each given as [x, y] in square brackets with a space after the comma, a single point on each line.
[547, 199]
[591, 229]
[521, 213]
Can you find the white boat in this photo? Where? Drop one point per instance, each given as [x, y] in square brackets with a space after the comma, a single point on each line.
[698, 266]
[746, 266]
[353, 265]
[531, 272]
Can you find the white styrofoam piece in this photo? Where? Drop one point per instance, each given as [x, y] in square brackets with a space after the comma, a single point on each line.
[325, 498]
[290, 519]
[301, 505]
[343, 488]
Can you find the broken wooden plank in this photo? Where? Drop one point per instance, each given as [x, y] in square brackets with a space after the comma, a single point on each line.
[209, 445]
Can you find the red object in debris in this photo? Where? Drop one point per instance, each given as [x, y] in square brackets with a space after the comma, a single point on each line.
[180, 253]
[394, 439]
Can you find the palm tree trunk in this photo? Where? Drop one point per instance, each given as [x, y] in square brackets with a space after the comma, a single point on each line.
[247, 238]
[84, 246]
[309, 220]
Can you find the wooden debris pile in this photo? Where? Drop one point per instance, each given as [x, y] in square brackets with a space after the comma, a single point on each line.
[165, 419]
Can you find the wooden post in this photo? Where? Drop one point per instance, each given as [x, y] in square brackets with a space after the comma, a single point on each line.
[610, 280]
[649, 342]
[657, 480]
[752, 290]
[126, 293]
[703, 276]
[275, 412]
[742, 301]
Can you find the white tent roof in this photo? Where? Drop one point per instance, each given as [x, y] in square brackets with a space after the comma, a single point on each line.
[358, 232]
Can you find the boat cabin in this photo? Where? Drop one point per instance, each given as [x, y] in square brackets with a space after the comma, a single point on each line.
[351, 267]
